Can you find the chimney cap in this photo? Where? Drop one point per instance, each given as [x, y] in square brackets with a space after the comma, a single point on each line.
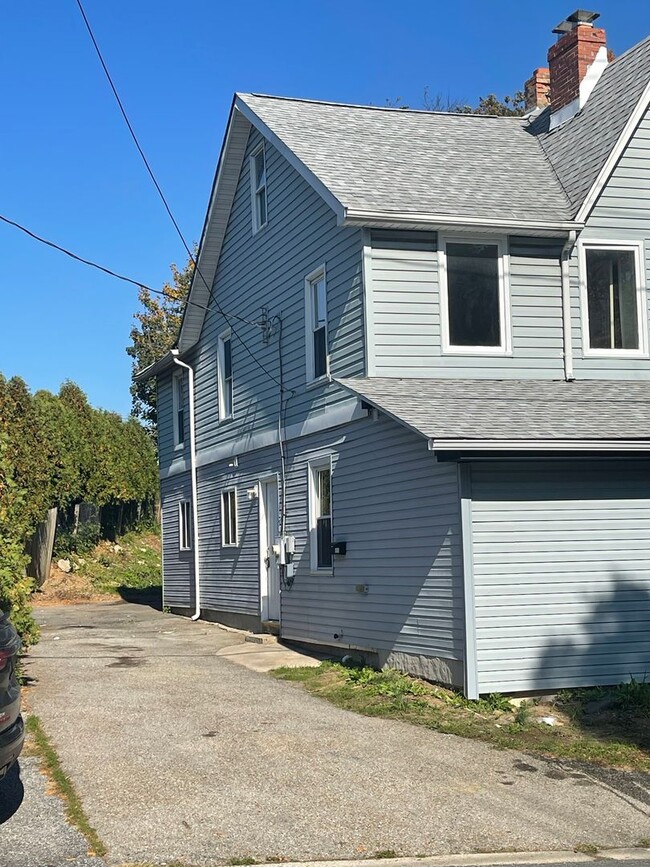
[580, 16]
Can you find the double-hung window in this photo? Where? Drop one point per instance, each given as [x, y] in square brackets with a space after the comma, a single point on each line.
[475, 311]
[316, 324]
[229, 517]
[613, 299]
[225, 380]
[320, 515]
[258, 188]
[184, 525]
[178, 409]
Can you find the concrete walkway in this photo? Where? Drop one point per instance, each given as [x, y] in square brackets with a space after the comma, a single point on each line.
[178, 753]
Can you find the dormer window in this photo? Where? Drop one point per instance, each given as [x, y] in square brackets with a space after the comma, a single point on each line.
[258, 188]
[613, 299]
[474, 296]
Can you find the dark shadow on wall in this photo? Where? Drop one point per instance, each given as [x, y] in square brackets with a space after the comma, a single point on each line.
[613, 648]
[12, 793]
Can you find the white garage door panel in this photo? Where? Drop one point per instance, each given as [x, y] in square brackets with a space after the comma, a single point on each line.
[561, 557]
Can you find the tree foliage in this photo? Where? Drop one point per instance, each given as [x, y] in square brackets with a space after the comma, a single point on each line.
[57, 450]
[154, 334]
[513, 105]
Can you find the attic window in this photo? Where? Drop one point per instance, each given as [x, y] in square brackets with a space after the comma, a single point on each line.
[258, 188]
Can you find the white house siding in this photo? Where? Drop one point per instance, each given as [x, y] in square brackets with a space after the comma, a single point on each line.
[561, 555]
[404, 330]
[622, 213]
[178, 566]
[268, 270]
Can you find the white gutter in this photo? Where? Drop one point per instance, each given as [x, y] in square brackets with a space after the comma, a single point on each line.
[546, 445]
[354, 217]
[565, 260]
[195, 505]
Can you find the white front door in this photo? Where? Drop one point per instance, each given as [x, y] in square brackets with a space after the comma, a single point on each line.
[269, 531]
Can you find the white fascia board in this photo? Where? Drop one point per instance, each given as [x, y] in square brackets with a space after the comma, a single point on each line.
[324, 192]
[614, 156]
[463, 445]
[393, 220]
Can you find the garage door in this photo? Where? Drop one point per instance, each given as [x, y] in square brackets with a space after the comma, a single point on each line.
[561, 559]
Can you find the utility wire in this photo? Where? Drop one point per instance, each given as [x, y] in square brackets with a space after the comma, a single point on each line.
[111, 273]
[162, 195]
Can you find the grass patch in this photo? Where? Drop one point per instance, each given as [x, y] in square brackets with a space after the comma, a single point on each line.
[64, 787]
[240, 862]
[608, 727]
[587, 849]
[386, 853]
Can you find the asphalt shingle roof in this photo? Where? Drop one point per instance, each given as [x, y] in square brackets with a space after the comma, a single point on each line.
[529, 410]
[419, 162]
[579, 148]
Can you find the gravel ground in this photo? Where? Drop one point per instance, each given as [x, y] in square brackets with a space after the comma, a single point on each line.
[33, 829]
[179, 753]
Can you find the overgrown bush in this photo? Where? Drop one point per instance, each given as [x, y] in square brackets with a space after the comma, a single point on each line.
[15, 587]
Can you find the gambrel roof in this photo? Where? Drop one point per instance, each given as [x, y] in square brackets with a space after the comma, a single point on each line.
[461, 414]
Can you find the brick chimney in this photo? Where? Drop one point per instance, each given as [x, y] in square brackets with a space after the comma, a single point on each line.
[537, 90]
[575, 62]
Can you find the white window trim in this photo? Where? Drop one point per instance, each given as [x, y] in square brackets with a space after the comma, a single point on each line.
[257, 227]
[234, 544]
[320, 272]
[221, 383]
[181, 525]
[177, 385]
[505, 316]
[638, 249]
[313, 467]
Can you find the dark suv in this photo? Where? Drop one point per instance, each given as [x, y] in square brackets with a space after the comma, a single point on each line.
[12, 733]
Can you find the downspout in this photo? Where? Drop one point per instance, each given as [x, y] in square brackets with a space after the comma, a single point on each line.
[195, 505]
[565, 259]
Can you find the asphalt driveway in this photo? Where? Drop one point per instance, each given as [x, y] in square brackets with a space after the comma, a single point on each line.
[179, 753]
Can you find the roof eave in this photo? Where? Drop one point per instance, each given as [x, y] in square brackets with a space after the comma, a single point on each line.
[538, 445]
[160, 366]
[396, 220]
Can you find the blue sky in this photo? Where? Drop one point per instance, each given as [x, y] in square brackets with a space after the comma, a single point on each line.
[69, 170]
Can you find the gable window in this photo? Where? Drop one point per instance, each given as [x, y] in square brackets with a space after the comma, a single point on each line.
[320, 509]
[613, 299]
[178, 409]
[224, 373]
[258, 188]
[473, 284]
[316, 324]
[184, 525]
[229, 517]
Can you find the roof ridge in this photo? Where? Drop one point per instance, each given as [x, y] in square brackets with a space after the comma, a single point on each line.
[388, 108]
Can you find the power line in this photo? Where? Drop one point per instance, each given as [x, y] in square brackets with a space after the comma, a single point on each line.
[108, 271]
[163, 198]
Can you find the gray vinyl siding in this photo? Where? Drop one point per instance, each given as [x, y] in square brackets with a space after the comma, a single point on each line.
[404, 312]
[178, 566]
[398, 511]
[170, 456]
[622, 213]
[561, 555]
[268, 270]
[230, 576]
